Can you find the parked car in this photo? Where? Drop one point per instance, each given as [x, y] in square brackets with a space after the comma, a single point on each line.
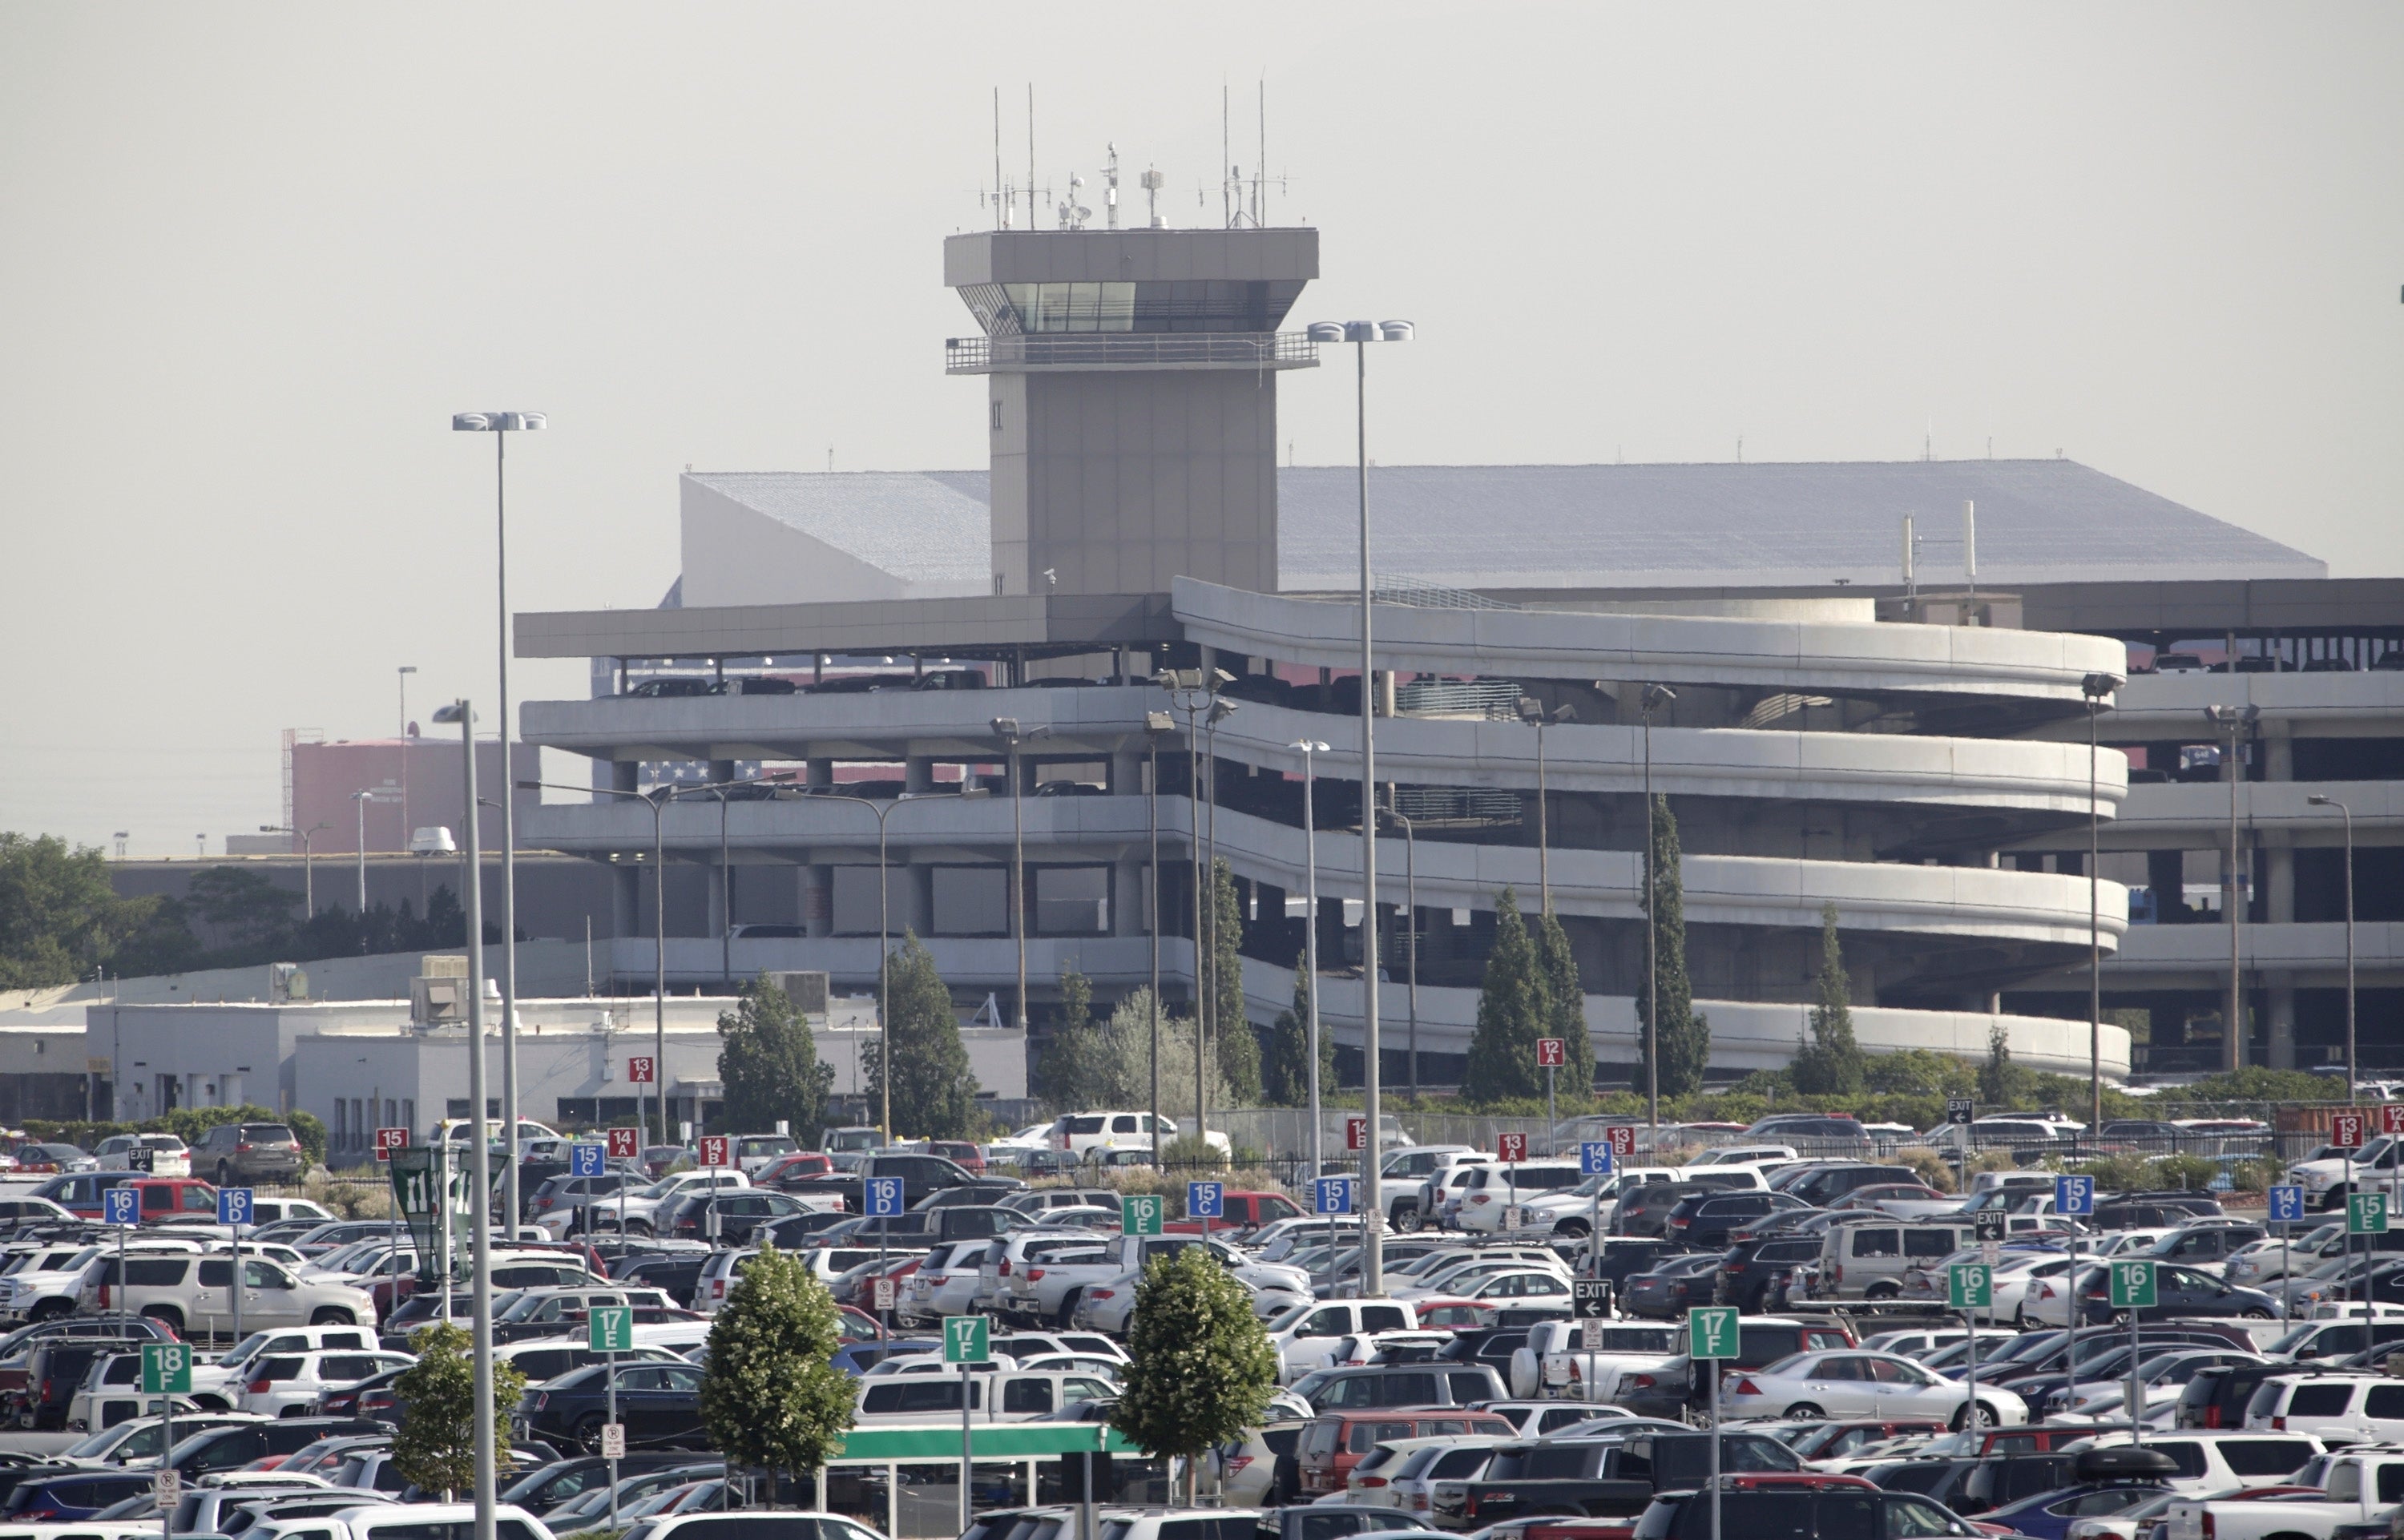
[191, 1293]
[244, 1155]
[1331, 1445]
[288, 1384]
[168, 1155]
[659, 1403]
[1861, 1384]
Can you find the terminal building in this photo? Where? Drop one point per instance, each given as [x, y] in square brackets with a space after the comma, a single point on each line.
[1875, 710]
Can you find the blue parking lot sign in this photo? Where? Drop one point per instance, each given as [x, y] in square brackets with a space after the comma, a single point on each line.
[2073, 1194]
[1334, 1194]
[2286, 1205]
[233, 1206]
[120, 1206]
[587, 1159]
[1594, 1157]
[1206, 1200]
[881, 1196]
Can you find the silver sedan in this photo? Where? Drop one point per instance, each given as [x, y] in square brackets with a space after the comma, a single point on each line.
[1859, 1384]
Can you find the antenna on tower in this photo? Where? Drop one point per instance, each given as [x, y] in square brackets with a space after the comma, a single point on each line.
[1111, 194]
[1030, 155]
[1261, 165]
[1153, 181]
[1226, 203]
[1000, 212]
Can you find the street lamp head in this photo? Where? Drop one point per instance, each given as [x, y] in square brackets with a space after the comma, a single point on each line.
[279, 829]
[1220, 680]
[1158, 721]
[1658, 696]
[1307, 747]
[453, 714]
[529, 786]
[1221, 709]
[2096, 686]
[2318, 801]
[1394, 332]
[1323, 332]
[1005, 726]
[498, 421]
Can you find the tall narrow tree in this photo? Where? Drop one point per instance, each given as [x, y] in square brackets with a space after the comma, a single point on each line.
[1684, 1033]
[1565, 1006]
[1513, 1010]
[1065, 1076]
[1831, 1064]
[769, 1065]
[934, 1091]
[1285, 1071]
[1239, 1050]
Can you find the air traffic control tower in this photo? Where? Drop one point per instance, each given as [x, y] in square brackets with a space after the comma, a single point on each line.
[1132, 413]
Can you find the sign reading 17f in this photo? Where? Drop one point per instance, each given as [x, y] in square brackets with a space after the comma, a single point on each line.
[965, 1339]
[1711, 1332]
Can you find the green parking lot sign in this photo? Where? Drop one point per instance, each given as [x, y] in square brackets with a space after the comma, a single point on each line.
[1712, 1331]
[1970, 1286]
[1142, 1214]
[2366, 1214]
[166, 1368]
[965, 1339]
[610, 1328]
[2132, 1285]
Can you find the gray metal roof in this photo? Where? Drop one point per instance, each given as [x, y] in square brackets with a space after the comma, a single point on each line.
[1567, 526]
[920, 525]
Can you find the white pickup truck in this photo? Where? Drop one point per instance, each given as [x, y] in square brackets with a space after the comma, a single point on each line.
[2357, 1488]
[1567, 1372]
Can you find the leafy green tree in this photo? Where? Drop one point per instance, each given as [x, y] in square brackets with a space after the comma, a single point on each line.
[59, 918]
[1200, 1369]
[1513, 1010]
[1684, 1033]
[1285, 1068]
[436, 1447]
[934, 1091]
[1231, 1026]
[1997, 1076]
[771, 1397]
[769, 1064]
[1565, 1006]
[243, 904]
[1831, 1064]
[1065, 1075]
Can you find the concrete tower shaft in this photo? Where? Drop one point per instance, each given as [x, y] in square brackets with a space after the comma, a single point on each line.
[1132, 409]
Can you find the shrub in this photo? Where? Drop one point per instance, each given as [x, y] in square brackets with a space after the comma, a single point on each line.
[2189, 1173]
[1934, 1169]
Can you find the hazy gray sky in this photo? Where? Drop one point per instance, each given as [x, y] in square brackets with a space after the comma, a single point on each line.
[256, 255]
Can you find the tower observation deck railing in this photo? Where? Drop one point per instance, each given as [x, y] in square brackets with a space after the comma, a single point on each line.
[1129, 350]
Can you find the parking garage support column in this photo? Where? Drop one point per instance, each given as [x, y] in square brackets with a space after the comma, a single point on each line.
[625, 901]
[1126, 894]
[817, 900]
[2277, 854]
[918, 774]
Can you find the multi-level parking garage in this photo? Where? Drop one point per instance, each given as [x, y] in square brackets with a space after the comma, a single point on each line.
[1916, 758]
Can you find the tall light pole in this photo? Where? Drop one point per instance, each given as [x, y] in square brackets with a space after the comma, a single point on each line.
[1533, 713]
[1156, 724]
[1311, 939]
[1411, 932]
[1214, 986]
[308, 861]
[2353, 1070]
[402, 674]
[500, 424]
[1361, 334]
[1195, 694]
[1653, 697]
[1012, 736]
[657, 800]
[479, 1290]
[2095, 687]
[2235, 721]
[359, 801]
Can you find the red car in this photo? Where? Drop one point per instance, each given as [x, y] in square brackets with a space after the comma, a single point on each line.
[960, 1153]
[794, 1170]
[1241, 1210]
[165, 1197]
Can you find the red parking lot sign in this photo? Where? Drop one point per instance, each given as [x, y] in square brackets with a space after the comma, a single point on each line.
[2391, 1118]
[1552, 1053]
[1623, 1139]
[2346, 1129]
[625, 1144]
[1514, 1148]
[713, 1150]
[643, 1069]
[389, 1140]
[1356, 1133]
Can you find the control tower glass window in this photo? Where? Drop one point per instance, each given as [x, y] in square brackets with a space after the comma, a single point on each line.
[1073, 307]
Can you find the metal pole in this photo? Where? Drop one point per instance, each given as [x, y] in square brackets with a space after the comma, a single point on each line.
[480, 1283]
[884, 981]
[1970, 1408]
[1652, 946]
[2136, 1336]
[359, 805]
[612, 1373]
[1201, 957]
[968, 1443]
[2077, 1309]
[1018, 883]
[659, 799]
[509, 855]
[2234, 1051]
[233, 1285]
[1310, 957]
[1411, 938]
[1154, 800]
[725, 902]
[1373, 1256]
[1715, 1450]
[2094, 964]
[1544, 842]
[2353, 1069]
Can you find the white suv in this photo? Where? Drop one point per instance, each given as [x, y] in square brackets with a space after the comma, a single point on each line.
[642, 1206]
[188, 1293]
[285, 1384]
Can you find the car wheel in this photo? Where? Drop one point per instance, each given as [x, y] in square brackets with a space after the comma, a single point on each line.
[636, 1227]
[1069, 1309]
[1409, 1220]
[2258, 1315]
[225, 1174]
[588, 1433]
[1882, 1291]
[1987, 1417]
[1803, 1411]
[167, 1316]
[1577, 1227]
[51, 1309]
[333, 1315]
